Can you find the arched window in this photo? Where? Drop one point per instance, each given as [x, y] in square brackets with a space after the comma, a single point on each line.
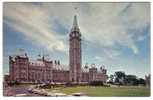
[72, 79]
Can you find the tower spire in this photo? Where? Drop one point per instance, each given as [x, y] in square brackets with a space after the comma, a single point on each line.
[75, 26]
[75, 23]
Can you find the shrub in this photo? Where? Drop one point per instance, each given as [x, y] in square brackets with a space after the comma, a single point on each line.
[96, 83]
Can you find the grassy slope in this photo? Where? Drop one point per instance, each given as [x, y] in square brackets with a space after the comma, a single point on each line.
[108, 91]
[125, 91]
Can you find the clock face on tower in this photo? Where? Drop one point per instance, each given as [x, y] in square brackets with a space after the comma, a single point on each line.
[73, 35]
[77, 34]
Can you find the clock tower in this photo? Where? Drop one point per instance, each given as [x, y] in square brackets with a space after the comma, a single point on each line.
[75, 52]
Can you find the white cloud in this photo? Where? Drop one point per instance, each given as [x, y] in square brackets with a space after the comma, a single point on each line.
[34, 23]
[109, 25]
[98, 58]
[103, 23]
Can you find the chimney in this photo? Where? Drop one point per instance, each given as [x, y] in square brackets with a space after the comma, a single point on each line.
[43, 58]
[58, 62]
[25, 54]
[55, 62]
[51, 61]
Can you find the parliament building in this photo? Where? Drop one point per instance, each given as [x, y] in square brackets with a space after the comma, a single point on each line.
[24, 70]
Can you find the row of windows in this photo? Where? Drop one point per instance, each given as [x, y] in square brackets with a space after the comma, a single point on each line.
[39, 76]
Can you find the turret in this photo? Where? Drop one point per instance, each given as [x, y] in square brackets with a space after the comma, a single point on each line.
[21, 63]
[11, 68]
[103, 70]
[92, 72]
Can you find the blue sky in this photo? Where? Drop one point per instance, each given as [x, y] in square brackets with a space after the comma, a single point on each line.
[116, 35]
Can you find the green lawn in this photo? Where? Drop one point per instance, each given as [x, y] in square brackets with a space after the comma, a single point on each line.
[108, 91]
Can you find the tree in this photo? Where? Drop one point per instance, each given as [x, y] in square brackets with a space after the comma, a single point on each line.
[131, 80]
[141, 81]
[120, 74]
[111, 78]
[119, 77]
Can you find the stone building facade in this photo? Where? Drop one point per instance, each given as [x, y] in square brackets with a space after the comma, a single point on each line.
[23, 69]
